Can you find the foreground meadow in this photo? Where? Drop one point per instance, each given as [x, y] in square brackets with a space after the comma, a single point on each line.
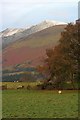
[39, 104]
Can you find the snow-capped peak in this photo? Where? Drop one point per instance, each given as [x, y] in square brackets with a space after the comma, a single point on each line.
[49, 23]
[11, 31]
[53, 22]
[43, 25]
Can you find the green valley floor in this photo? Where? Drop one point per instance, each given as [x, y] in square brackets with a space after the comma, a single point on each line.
[39, 104]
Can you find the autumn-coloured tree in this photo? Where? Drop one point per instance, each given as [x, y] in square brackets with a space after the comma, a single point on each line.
[70, 42]
[64, 60]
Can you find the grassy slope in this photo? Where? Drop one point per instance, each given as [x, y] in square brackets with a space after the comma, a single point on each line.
[42, 38]
[40, 104]
[32, 47]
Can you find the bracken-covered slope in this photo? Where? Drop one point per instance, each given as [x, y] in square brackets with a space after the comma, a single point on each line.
[31, 49]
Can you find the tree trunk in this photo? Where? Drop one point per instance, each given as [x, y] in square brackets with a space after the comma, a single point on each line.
[72, 81]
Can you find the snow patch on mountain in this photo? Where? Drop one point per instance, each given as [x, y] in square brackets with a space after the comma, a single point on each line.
[11, 31]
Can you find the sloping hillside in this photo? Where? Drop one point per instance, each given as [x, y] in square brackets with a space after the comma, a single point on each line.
[32, 48]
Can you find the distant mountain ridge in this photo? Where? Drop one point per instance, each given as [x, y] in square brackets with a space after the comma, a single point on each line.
[11, 35]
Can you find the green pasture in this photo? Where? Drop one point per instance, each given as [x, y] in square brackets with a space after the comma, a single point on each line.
[39, 104]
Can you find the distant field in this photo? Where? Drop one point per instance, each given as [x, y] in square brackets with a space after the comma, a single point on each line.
[33, 85]
[14, 85]
[39, 104]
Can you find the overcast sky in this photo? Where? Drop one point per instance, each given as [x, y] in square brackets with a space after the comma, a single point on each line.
[23, 13]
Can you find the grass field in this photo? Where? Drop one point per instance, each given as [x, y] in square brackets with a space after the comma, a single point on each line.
[39, 104]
